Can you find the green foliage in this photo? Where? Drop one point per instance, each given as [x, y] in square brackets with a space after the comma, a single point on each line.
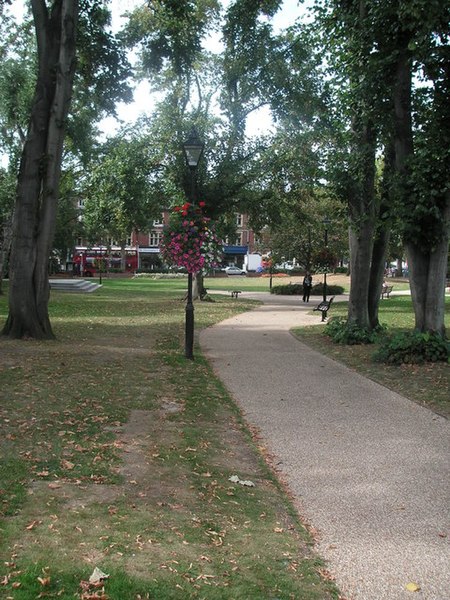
[342, 331]
[296, 289]
[121, 193]
[413, 348]
[290, 289]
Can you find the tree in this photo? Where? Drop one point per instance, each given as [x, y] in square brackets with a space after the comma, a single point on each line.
[355, 117]
[56, 25]
[40, 167]
[7, 185]
[422, 154]
[376, 50]
[122, 191]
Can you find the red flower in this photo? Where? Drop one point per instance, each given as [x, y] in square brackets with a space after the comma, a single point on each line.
[202, 204]
[176, 208]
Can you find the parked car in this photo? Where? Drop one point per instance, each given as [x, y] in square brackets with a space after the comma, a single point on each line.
[234, 271]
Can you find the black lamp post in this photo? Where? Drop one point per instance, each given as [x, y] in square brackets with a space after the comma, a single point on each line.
[193, 149]
[326, 221]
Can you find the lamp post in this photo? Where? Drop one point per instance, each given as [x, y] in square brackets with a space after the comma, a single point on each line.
[193, 149]
[326, 221]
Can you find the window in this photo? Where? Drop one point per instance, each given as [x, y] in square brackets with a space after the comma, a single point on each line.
[154, 239]
[80, 203]
[158, 222]
[128, 241]
[239, 220]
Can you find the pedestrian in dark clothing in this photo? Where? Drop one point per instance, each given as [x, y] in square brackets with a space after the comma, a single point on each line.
[307, 285]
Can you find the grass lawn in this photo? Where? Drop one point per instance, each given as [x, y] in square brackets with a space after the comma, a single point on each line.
[262, 283]
[116, 452]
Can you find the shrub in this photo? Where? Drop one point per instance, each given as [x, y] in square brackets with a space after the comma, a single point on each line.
[332, 290]
[296, 289]
[343, 332]
[290, 289]
[413, 347]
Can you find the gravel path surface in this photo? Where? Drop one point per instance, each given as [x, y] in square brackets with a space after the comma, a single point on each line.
[369, 469]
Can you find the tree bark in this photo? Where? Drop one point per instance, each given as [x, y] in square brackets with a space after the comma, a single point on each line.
[379, 254]
[362, 222]
[361, 248]
[5, 246]
[382, 236]
[39, 173]
[427, 276]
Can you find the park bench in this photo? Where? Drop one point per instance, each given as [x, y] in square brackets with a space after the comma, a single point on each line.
[324, 307]
[386, 291]
[235, 293]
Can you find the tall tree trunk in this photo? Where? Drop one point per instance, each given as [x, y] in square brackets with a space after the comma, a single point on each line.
[427, 273]
[5, 246]
[379, 254]
[361, 248]
[39, 173]
[362, 222]
[382, 236]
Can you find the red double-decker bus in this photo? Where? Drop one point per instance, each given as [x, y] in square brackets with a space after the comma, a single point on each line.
[91, 261]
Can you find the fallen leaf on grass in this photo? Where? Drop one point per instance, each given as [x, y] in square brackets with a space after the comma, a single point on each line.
[97, 575]
[412, 587]
[246, 482]
[66, 464]
[54, 486]
[44, 580]
[32, 525]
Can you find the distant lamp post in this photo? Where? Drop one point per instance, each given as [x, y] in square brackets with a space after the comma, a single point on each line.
[326, 221]
[193, 150]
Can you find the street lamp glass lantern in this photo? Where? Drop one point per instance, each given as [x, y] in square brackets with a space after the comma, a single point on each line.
[193, 149]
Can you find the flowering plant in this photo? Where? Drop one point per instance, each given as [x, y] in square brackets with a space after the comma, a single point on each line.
[189, 240]
[324, 261]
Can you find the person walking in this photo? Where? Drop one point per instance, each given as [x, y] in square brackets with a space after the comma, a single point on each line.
[307, 285]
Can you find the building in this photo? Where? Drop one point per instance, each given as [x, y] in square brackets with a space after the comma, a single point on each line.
[146, 244]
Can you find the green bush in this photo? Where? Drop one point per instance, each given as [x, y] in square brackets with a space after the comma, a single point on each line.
[296, 289]
[343, 332]
[290, 289]
[413, 347]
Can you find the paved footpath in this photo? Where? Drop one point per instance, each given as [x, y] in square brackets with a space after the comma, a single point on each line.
[369, 469]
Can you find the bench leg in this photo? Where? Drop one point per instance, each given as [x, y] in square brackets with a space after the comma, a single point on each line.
[324, 315]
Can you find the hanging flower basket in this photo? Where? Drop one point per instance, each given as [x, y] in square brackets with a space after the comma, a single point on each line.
[324, 261]
[189, 240]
